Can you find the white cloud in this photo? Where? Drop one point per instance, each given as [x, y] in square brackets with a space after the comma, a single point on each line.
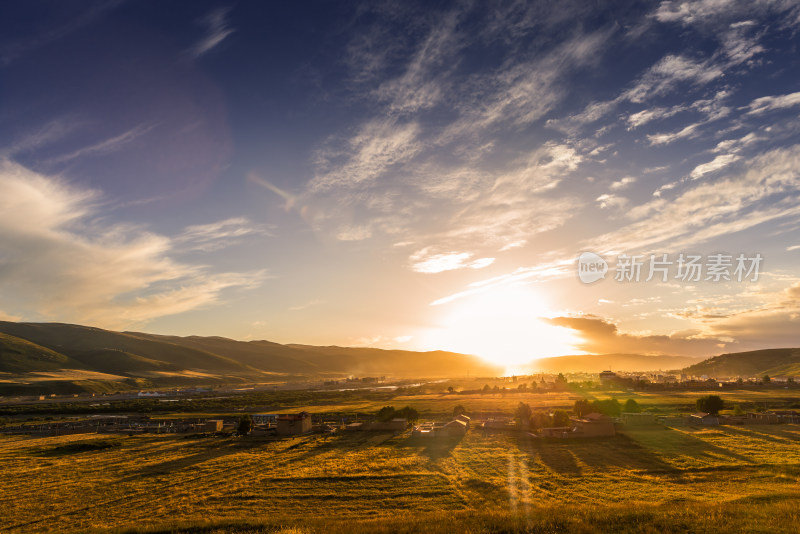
[611, 201]
[106, 146]
[716, 164]
[220, 234]
[709, 210]
[622, 183]
[425, 261]
[734, 146]
[217, 29]
[480, 263]
[50, 132]
[667, 73]
[770, 103]
[515, 244]
[641, 118]
[57, 262]
[379, 144]
[666, 138]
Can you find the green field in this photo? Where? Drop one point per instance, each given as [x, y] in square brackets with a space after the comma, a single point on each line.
[666, 480]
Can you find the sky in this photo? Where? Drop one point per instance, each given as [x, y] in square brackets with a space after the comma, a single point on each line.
[414, 175]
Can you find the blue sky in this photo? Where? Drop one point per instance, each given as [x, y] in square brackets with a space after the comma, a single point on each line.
[402, 174]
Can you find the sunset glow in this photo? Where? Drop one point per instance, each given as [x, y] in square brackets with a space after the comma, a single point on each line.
[504, 326]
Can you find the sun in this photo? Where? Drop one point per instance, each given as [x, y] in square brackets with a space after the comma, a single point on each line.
[504, 326]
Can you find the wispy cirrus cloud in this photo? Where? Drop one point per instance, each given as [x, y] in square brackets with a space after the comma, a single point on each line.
[719, 162]
[106, 146]
[403, 174]
[770, 103]
[378, 145]
[217, 29]
[729, 204]
[220, 234]
[426, 261]
[50, 132]
[56, 263]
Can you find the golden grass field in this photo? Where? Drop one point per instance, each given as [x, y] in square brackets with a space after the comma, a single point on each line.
[660, 480]
[441, 404]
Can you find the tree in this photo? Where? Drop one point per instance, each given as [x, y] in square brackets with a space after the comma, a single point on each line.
[631, 406]
[486, 388]
[561, 418]
[450, 389]
[541, 420]
[245, 424]
[737, 410]
[386, 413]
[582, 407]
[560, 382]
[523, 414]
[710, 404]
[408, 413]
[459, 410]
[522, 387]
[766, 379]
[609, 407]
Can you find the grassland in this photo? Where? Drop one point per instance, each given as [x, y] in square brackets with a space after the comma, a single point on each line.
[665, 480]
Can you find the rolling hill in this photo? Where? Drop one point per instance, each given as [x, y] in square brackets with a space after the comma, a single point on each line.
[115, 352]
[772, 362]
[21, 356]
[401, 363]
[143, 360]
[262, 355]
[595, 363]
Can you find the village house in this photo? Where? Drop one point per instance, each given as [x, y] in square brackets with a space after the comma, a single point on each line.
[453, 429]
[293, 424]
[213, 425]
[465, 418]
[702, 418]
[594, 425]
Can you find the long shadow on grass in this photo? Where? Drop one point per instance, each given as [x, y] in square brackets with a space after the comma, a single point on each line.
[432, 447]
[565, 456]
[775, 435]
[669, 443]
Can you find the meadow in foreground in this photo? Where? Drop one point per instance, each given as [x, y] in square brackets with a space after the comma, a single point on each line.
[687, 479]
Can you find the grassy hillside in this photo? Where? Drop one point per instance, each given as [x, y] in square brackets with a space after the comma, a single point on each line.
[173, 360]
[264, 355]
[752, 363]
[369, 361]
[21, 356]
[595, 363]
[105, 348]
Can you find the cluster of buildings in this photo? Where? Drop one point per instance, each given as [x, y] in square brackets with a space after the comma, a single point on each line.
[589, 426]
[452, 429]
